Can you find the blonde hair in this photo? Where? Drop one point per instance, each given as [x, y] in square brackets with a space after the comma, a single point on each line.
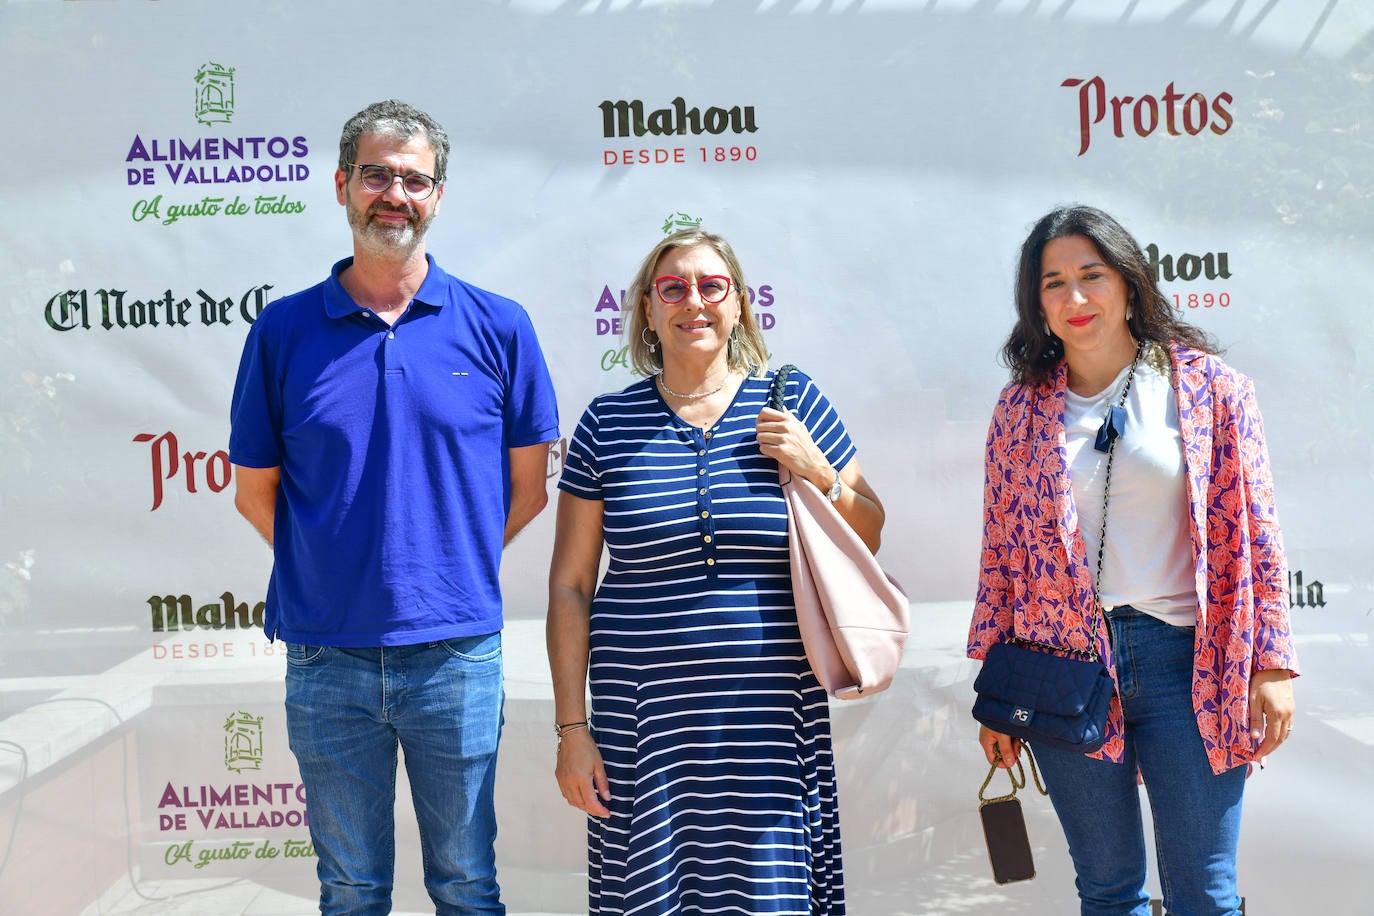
[746, 351]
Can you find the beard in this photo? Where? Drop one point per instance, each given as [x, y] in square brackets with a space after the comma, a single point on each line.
[385, 238]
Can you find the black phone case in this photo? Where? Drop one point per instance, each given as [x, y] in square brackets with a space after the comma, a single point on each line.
[1009, 850]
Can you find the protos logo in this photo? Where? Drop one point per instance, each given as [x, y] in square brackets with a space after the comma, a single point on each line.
[169, 462]
[1193, 113]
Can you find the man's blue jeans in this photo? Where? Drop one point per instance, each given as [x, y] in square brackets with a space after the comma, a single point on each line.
[1196, 813]
[346, 712]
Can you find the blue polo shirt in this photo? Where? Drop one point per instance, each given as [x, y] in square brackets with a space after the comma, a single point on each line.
[392, 443]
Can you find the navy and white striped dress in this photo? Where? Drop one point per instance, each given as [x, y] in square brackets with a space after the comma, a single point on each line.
[714, 731]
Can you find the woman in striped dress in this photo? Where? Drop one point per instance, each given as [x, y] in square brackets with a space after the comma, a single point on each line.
[706, 766]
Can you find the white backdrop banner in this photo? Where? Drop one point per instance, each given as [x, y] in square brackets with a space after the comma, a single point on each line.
[168, 173]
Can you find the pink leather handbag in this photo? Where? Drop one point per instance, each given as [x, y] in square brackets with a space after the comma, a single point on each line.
[854, 618]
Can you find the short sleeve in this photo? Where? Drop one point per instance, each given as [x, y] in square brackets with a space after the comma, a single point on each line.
[581, 474]
[806, 401]
[531, 412]
[255, 414]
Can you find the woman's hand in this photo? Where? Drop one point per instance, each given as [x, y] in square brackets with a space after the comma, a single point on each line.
[1001, 750]
[787, 441]
[1271, 710]
[582, 774]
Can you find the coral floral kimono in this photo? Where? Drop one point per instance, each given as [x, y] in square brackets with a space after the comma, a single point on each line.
[1035, 580]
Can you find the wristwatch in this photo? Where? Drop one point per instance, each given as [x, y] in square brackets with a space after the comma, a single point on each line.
[836, 488]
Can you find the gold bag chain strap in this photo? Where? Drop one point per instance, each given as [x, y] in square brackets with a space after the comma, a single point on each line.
[1018, 780]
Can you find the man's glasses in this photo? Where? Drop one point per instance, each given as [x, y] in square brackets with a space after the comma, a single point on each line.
[378, 179]
[673, 290]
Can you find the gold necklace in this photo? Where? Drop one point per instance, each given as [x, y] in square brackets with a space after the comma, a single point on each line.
[693, 397]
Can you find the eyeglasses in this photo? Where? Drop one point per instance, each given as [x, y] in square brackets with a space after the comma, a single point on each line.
[378, 179]
[712, 289]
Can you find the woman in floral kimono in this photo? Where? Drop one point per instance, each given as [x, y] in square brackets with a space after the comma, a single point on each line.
[1172, 564]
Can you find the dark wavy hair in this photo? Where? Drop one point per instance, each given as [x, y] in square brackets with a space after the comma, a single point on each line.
[1031, 351]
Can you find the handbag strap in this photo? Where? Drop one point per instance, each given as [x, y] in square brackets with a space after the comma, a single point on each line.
[1107, 487]
[779, 386]
[1016, 783]
[1114, 433]
[775, 401]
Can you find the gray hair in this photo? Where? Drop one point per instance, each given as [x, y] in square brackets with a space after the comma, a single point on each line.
[394, 119]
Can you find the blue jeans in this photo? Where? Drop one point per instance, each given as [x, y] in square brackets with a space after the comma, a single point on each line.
[346, 711]
[1196, 812]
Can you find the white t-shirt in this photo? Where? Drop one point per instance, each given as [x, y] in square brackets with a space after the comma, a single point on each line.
[1148, 563]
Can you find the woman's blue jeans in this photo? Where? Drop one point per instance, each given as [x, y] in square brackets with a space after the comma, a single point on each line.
[347, 710]
[1196, 813]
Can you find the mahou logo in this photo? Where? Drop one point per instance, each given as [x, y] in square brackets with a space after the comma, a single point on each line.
[625, 119]
[171, 613]
[1179, 113]
[1208, 269]
[1187, 266]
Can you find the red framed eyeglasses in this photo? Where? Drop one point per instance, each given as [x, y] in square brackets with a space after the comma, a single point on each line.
[673, 289]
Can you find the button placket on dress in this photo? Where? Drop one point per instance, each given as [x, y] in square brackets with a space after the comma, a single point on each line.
[706, 520]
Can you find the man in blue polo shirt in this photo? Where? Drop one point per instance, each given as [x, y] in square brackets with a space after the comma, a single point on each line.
[390, 431]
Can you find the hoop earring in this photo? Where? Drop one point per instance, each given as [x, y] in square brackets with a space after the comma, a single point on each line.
[652, 345]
